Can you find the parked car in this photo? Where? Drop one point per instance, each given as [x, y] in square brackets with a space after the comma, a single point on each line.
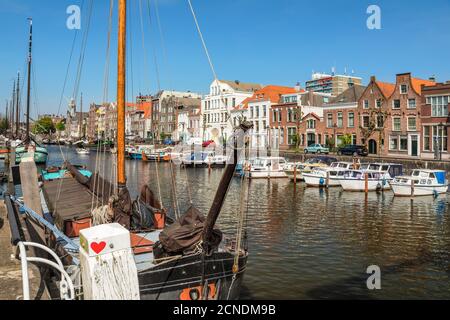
[206, 144]
[317, 148]
[353, 150]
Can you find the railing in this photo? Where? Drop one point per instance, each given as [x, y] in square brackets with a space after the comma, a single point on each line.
[66, 286]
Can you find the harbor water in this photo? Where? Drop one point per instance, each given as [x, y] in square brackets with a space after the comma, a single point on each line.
[306, 243]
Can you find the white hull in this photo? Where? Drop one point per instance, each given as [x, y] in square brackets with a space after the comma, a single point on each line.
[314, 180]
[404, 190]
[360, 184]
[266, 174]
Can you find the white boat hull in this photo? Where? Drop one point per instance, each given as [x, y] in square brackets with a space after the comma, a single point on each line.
[266, 174]
[360, 185]
[404, 190]
[314, 180]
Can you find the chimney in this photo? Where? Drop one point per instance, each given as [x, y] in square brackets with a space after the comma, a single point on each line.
[373, 79]
[298, 87]
[432, 78]
[237, 82]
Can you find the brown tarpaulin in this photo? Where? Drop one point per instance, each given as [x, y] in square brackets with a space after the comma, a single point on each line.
[185, 234]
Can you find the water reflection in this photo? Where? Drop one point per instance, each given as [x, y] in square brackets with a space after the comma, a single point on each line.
[308, 243]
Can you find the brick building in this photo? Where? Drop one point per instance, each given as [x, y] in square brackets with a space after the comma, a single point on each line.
[341, 116]
[372, 111]
[403, 128]
[435, 121]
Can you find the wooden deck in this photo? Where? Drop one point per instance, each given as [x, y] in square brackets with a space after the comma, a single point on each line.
[74, 200]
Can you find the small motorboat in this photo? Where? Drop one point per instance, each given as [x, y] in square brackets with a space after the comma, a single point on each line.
[82, 151]
[371, 177]
[267, 168]
[327, 176]
[308, 166]
[421, 182]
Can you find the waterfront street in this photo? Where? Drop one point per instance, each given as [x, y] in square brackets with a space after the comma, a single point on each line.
[307, 243]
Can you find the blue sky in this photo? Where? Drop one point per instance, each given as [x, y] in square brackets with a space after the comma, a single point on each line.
[264, 41]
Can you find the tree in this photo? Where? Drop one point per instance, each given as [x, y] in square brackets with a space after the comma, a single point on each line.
[3, 126]
[346, 140]
[60, 126]
[44, 126]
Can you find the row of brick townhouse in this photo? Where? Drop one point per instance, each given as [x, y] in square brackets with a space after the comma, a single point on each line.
[408, 118]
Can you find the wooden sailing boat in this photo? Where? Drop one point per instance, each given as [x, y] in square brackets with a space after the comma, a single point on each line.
[29, 147]
[186, 259]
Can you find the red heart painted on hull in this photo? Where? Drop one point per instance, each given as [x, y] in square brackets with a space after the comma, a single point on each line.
[98, 247]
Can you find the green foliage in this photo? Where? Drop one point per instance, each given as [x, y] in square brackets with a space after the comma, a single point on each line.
[3, 126]
[330, 142]
[346, 140]
[44, 126]
[60, 126]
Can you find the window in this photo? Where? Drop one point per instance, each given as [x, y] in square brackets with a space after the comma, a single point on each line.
[292, 136]
[279, 116]
[234, 103]
[403, 89]
[412, 124]
[282, 135]
[264, 124]
[351, 120]
[251, 112]
[396, 124]
[379, 102]
[289, 115]
[426, 138]
[366, 104]
[365, 121]
[257, 111]
[396, 104]
[264, 111]
[439, 106]
[393, 143]
[440, 137]
[380, 121]
[412, 103]
[311, 124]
[403, 143]
[274, 114]
[329, 120]
[340, 120]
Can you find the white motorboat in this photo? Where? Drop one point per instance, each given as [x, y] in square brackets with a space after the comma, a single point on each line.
[298, 168]
[421, 182]
[267, 168]
[371, 176]
[327, 176]
[82, 151]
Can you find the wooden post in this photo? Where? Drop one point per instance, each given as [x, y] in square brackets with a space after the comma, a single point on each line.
[121, 78]
[328, 179]
[295, 173]
[366, 183]
[209, 167]
[29, 179]
[412, 188]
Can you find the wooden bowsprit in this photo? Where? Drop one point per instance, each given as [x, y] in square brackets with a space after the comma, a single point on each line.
[70, 246]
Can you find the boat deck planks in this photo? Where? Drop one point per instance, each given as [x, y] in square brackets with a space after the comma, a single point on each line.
[74, 199]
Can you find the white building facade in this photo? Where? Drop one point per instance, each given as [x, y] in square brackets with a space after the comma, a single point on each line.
[223, 97]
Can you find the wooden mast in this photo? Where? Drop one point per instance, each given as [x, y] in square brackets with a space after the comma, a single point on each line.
[27, 139]
[11, 111]
[121, 69]
[17, 106]
[81, 117]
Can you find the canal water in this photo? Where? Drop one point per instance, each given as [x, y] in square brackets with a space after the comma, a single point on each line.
[306, 243]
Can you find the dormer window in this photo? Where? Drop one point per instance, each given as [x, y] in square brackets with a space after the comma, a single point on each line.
[403, 89]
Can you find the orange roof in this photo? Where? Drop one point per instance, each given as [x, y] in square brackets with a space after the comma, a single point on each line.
[417, 84]
[387, 89]
[270, 92]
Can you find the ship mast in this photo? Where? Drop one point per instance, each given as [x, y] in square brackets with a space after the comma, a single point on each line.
[81, 117]
[17, 106]
[11, 111]
[121, 69]
[27, 139]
